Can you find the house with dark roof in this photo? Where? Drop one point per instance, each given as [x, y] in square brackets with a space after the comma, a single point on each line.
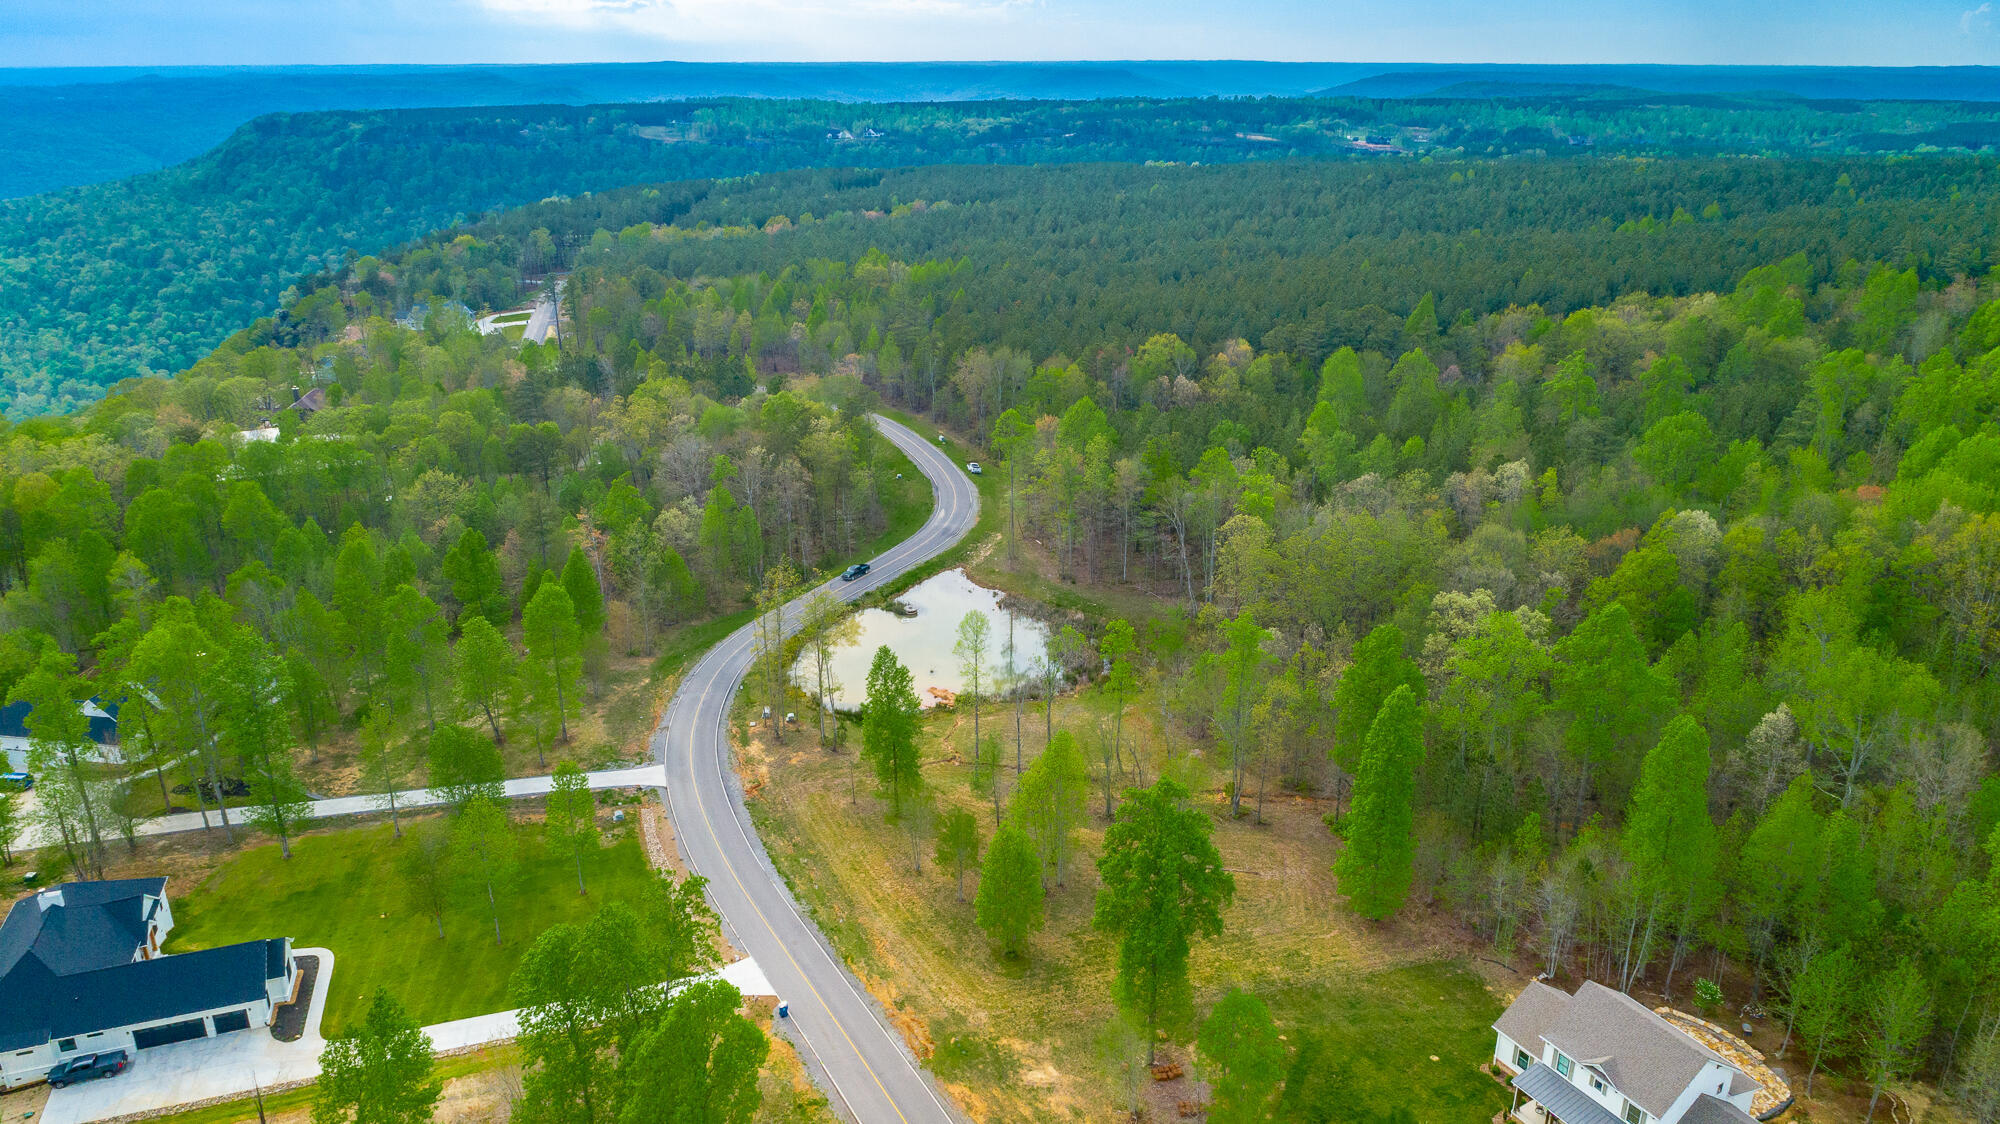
[81, 971]
[1601, 1057]
[14, 733]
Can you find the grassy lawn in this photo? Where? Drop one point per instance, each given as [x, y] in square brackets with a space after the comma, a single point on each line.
[339, 891]
[1389, 1024]
[1031, 1041]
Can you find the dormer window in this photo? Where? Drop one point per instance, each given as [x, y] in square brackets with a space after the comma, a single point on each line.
[1634, 1114]
[1563, 1065]
[1597, 1084]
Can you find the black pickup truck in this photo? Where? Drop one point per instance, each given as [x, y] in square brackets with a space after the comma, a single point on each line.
[83, 1067]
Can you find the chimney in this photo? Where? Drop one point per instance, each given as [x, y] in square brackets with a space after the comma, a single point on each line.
[50, 899]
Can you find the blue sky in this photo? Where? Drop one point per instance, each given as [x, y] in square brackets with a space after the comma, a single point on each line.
[195, 32]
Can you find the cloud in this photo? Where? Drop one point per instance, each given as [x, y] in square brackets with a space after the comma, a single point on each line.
[1977, 19]
[725, 20]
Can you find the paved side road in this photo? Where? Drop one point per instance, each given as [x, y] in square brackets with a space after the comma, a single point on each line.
[644, 776]
[868, 1070]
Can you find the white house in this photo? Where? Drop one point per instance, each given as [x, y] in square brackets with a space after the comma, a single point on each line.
[1601, 1057]
[81, 971]
[14, 734]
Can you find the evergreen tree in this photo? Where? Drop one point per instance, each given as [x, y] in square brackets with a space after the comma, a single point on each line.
[1378, 668]
[579, 580]
[474, 577]
[424, 866]
[1375, 866]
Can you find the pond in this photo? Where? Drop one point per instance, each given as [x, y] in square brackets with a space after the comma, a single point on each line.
[925, 640]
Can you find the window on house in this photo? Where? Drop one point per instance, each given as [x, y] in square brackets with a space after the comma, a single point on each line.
[1521, 1059]
[1598, 1084]
[1563, 1065]
[66, 1044]
[1634, 1114]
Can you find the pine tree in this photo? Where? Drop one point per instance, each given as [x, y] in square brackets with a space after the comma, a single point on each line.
[474, 576]
[1379, 667]
[579, 580]
[1375, 867]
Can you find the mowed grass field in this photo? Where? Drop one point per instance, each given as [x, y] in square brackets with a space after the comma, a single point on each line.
[1040, 1041]
[340, 891]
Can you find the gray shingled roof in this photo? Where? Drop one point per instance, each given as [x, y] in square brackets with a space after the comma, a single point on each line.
[41, 1005]
[1646, 1058]
[98, 924]
[1532, 1012]
[1566, 1102]
[68, 969]
[1707, 1109]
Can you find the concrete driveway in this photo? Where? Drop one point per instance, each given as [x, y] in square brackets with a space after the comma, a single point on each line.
[185, 1073]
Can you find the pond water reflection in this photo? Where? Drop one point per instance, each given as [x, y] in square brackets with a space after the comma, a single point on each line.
[924, 642]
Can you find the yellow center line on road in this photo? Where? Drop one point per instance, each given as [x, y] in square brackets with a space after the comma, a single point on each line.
[722, 654]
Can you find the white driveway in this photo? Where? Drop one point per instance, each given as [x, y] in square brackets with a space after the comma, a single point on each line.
[645, 776]
[187, 1072]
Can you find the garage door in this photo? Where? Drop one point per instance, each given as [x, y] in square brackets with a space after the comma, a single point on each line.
[172, 1032]
[234, 1020]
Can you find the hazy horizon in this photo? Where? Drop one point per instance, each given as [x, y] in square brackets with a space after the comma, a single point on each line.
[154, 33]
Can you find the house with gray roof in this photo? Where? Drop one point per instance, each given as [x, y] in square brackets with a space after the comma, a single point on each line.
[15, 740]
[81, 971]
[1601, 1057]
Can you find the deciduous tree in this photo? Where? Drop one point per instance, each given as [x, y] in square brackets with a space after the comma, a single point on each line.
[1163, 886]
[381, 1073]
[1243, 1059]
[889, 729]
[571, 817]
[1009, 902]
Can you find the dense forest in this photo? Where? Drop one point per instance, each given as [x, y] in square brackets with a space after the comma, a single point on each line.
[147, 274]
[1655, 501]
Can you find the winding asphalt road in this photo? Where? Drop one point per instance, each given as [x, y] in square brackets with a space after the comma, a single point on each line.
[869, 1069]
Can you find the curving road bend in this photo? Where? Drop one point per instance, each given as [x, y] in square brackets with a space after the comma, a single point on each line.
[870, 1071]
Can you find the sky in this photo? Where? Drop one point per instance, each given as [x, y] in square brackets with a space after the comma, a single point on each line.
[276, 32]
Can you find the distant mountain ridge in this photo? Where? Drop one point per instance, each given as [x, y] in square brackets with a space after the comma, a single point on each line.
[74, 126]
[78, 126]
[1856, 83]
